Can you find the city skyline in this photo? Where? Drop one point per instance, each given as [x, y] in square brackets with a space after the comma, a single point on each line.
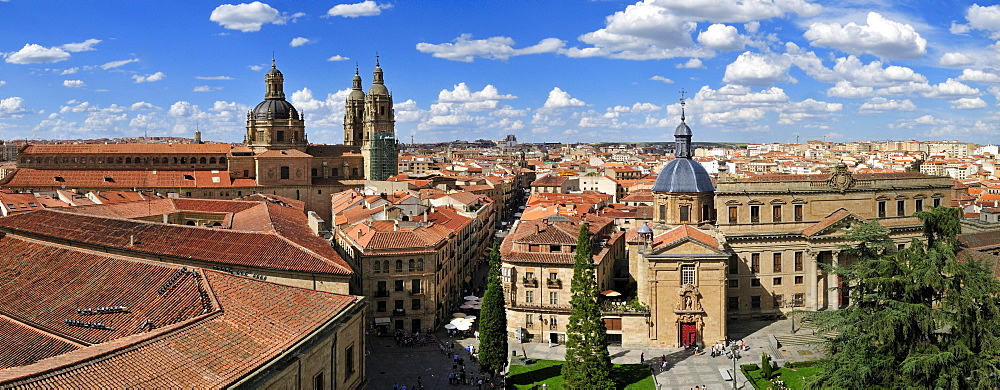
[754, 71]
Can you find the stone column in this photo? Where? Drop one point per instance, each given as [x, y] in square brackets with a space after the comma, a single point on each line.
[812, 296]
[832, 284]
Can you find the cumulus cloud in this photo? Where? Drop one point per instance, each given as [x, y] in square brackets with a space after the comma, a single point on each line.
[149, 78]
[35, 54]
[466, 49]
[214, 78]
[926, 120]
[117, 64]
[968, 104]
[462, 93]
[246, 17]
[206, 88]
[73, 83]
[847, 90]
[364, 8]
[721, 37]
[143, 106]
[69, 71]
[956, 59]
[298, 41]
[693, 63]
[561, 99]
[757, 69]
[87, 45]
[880, 104]
[2, 83]
[338, 58]
[951, 88]
[661, 78]
[981, 76]
[12, 106]
[983, 18]
[880, 37]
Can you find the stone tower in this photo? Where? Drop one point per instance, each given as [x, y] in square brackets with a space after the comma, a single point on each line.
[275, 123]
[354, 114]
[378, 146]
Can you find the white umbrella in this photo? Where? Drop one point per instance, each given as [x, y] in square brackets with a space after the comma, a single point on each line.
[450, 326]
[458, 315]
[472, 298]
[457, 321]
[467, 306]
[470, 318]
[464, 326]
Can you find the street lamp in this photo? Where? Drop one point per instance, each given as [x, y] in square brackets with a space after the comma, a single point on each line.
[736, 355]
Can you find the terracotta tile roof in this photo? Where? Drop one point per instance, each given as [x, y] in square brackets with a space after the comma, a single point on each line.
[562, 231]
[232, 247]
[549, 181]
[332, 150]
[129, 149]
[20, 202]
[383, 235]
[824, 177]
[25, 345]
[981, 240]
[684, 232]
[54, 178]
[285, 153]
[643, 195]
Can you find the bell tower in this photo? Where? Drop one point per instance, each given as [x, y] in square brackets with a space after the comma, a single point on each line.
[275, 123]
[378, 146]
[354, 113]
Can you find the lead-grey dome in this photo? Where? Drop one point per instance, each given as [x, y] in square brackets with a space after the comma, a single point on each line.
[378, 89]
[683, 175]
[275, 109]
[682, 129]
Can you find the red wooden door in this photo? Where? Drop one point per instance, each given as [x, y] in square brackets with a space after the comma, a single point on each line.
[689, 333]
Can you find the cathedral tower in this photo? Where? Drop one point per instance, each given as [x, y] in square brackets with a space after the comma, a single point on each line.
[275, 123]
[378, 146]
[354, 114]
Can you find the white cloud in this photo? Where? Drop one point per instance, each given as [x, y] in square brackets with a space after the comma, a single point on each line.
[663, 79]
[246, 17]
[143, 106]
[880, 104]
[721, 37]
[73, 83]
[2, 83]
[466, 49]
[182, 109]
[847, 90]
[298, 41]
[462, 94]
[364, 8]
[119, 63]
[87, 45]
[36, 54]
[69, 71]
[958, 28]
[951, 88]
[807, 110]
[926, 120]
[214, 78]
[981, 76]
[255, 68]
[561, 99]
[880, 37]
[149, 78]
[956, 59]
[206, 88]
[983, 18]
[968, 104]
[692, 63]
[757, 69]
[12, 106]
[338, 58]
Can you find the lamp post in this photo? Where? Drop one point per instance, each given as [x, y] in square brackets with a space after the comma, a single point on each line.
[736, 355]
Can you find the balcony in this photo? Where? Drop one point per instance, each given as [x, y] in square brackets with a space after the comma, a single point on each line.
[399, 312]
[553, 283]
[417, 292]
[382, 294]
[530, 282]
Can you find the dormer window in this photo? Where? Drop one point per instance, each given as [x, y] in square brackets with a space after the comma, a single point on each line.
[188, 177]
[59, 179]
[109, 179]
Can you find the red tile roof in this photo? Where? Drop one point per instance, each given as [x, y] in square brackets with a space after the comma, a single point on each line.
[129, 149]
[54, 178]
[25, 345]
[555, 232]
[684, 232]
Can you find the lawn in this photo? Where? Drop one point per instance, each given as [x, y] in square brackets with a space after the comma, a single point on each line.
[794, 378]
[628, 376]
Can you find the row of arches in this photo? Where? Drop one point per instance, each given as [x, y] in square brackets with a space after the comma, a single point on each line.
[120, 160]
[414, 265]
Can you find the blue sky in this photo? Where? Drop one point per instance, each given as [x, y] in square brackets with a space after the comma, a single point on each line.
[567, 71]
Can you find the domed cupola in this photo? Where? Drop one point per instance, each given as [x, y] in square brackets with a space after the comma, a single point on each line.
[356, 92]
[378, 83]
[683, 189]
[274, 105]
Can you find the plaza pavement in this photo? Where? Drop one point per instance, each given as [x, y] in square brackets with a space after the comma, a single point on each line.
[389, 364]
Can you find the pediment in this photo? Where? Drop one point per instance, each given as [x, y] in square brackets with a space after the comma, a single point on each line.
[687, 246]
[836, 221]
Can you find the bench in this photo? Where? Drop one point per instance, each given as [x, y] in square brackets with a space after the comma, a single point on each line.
[725, 374]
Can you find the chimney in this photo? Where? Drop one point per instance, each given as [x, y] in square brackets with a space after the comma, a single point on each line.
[131, 240]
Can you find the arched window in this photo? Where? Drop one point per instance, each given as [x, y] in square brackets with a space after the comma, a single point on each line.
[211, 160]
[399, 265]
[156, 160]
[203, 160]
[194, 160]
[165, 160]
[190, 223]
[128, 160]
[136, 159]
[222, 160]
[420, 264]
[412, 265]
[120, 160]
[175, 160]
[184, 160]
[111, 160]
[378, 267]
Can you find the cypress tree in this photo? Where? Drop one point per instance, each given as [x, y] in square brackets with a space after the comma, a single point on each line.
[588, 363]
[493, 320]
[918, 318]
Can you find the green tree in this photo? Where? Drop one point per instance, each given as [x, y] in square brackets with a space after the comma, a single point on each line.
[588, 363]
[493, 320]
[766, 370]
[918, 318]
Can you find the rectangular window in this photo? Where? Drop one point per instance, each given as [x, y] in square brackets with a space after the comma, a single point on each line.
[755, 302]
[755, 263]
[937, 202]
[685, 213]
[754, 214]
[881, 209]
[613, 323]
[528, 321]
[335, 172]
[779, 301]
[553, 248]
[733, 303]
[798, 261]
[281, 136]
[776, 213]
[918, 205]
[246, 173]
[663, 212]
[529, 275]
[754, 282]
[734, 265]
[733, 215]
[734, 283]
[776, 282]
[349, 360]
[900, 208]
[415, 286]
[798, 279]
[553, 276]
[397, 304]
[529, 296]
[534, 248]
[553, 298]
[415, 304]
[798, 212]
[315, 172]
[687, 274]
[285, 173]
[318, 382]
[399, 285]
[776, 266]
[381, 305]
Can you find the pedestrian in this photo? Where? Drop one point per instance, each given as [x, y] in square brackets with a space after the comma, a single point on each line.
[642, 357]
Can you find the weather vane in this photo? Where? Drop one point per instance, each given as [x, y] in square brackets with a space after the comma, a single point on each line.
[683, 92]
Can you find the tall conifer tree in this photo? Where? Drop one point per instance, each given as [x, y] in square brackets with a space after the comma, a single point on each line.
[493, 320]
[588, 363]
[918, 318]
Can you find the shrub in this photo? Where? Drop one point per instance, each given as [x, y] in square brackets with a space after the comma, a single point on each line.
[750, 367]
[767, 372]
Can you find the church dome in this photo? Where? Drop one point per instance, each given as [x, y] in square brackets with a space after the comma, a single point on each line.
[378, 89]
[682, 129]
[275, 109]
[683, 175]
